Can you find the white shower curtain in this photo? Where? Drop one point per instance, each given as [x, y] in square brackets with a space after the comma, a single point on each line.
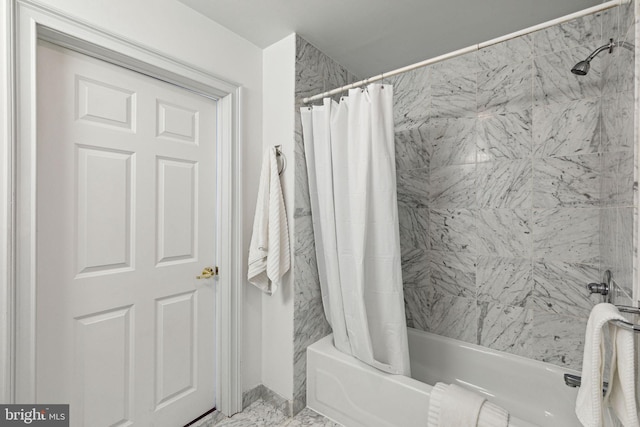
[349, 148]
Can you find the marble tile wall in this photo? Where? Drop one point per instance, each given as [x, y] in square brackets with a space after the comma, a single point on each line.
[619, 186]
[315, 73]
[515, 187]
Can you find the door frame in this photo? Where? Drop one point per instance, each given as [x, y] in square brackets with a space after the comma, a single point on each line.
[28, 22]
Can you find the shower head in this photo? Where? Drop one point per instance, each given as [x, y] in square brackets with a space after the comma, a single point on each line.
[582, 67]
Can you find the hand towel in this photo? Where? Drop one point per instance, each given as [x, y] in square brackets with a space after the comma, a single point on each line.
[453, 406]
[589, 402]
[492, 415]
[269, 257]
[622, 390]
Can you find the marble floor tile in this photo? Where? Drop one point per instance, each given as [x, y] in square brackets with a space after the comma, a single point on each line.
[261, 414]
[308, 417]
[210, 420]
[258, 414]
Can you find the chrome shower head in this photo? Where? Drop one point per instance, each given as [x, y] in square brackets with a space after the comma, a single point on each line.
[581, 68]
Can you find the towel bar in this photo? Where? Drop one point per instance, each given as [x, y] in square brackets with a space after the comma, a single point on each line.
[605, 289]
[626, 325]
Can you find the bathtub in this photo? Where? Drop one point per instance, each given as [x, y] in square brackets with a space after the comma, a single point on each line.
[355, 394]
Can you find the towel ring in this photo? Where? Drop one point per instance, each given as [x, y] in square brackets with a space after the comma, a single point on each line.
[284, 159]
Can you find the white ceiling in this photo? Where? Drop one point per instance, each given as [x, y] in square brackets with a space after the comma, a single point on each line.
[373, 36]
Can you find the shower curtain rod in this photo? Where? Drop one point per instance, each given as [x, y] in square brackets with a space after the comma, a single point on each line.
[472, 48]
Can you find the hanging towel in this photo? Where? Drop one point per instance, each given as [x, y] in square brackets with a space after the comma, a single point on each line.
[453, 406]
[492, 415]
[269, 257]
[621, 392]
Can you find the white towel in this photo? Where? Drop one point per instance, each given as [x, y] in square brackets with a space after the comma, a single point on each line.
[492, 415]
[621, 394]
[622, 391]
[269, 257]
[453, 406]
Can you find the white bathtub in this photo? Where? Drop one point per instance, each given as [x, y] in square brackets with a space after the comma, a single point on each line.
[354, 394]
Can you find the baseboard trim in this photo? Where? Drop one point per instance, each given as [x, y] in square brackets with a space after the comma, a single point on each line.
[270, 397]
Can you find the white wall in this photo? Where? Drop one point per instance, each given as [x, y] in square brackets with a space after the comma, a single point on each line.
[4, 194]
[278, 127]
[175, 30]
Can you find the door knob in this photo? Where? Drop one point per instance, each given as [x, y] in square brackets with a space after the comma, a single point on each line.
[207, 273]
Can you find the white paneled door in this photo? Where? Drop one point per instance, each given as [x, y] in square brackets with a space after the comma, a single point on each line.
[125, 222]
